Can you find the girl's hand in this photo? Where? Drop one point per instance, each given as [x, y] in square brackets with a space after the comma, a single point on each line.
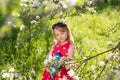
[45, 62]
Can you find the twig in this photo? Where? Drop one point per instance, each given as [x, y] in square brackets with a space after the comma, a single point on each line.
[113, 49]
[102, 70]
[107, 61]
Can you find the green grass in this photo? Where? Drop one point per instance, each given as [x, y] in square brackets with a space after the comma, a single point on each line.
[26, 50]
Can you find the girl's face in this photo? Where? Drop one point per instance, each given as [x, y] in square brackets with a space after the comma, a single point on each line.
[60, 36]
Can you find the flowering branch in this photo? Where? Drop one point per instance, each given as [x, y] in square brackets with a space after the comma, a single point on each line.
[113, 49]
[118, 46]
[74, 66]
[102, 70]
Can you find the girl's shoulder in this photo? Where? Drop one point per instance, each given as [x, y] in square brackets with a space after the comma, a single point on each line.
[72, 45]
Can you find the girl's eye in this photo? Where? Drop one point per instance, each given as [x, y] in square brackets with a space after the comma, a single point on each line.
[59, 34]
[62, 33]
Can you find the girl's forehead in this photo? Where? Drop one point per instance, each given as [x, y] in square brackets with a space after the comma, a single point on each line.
[60, 29]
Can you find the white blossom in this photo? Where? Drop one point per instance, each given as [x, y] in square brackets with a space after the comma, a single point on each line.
[101, 63]
[12, 70]
[45, 2]
[10, 74]
[22, 27]
[33, 21]
[116, 55]
[23, 4]
[92, 67]
[64, 78]
[84, 58]
[71, 72]
[5, 75]
[89, 3]
[110, 42]
[24, 0]
[94, 76]
[45, 61]
[64, 5]
[76, 77]
[71, 2]
[37, 17]
[53, 69]
[91, 9]
[9, 23]
[109, 56]
[50, 57]
[34, 3]
[33, 71]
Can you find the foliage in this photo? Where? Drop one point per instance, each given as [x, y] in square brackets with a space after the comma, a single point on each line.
[26, 36]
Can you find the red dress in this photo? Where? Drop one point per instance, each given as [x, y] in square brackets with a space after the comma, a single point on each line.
[63, 50]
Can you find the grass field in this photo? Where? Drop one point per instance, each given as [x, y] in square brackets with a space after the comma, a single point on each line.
[22, 52]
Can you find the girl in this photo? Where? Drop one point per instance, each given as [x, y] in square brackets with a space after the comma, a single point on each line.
[63, 45]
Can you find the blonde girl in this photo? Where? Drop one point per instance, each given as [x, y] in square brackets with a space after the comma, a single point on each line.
[63, 45]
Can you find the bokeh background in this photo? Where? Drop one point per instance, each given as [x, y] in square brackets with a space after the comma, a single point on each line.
[26, 36]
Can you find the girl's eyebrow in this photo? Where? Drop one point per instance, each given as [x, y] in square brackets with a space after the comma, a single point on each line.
[60, 33]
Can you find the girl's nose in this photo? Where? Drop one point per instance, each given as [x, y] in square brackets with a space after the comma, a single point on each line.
[60, 36]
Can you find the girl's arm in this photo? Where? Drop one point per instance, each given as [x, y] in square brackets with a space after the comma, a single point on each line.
[71, 51]
[50, 52]
[48, 55]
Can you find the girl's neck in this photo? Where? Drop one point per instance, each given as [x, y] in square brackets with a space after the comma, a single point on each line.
[62, 43]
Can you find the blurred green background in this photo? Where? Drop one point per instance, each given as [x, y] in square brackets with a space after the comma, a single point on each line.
[26, 35]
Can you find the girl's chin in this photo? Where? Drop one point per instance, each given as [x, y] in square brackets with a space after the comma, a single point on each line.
[62, 41]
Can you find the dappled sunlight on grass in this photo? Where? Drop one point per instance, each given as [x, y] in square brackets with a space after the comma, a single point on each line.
[26, 37]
